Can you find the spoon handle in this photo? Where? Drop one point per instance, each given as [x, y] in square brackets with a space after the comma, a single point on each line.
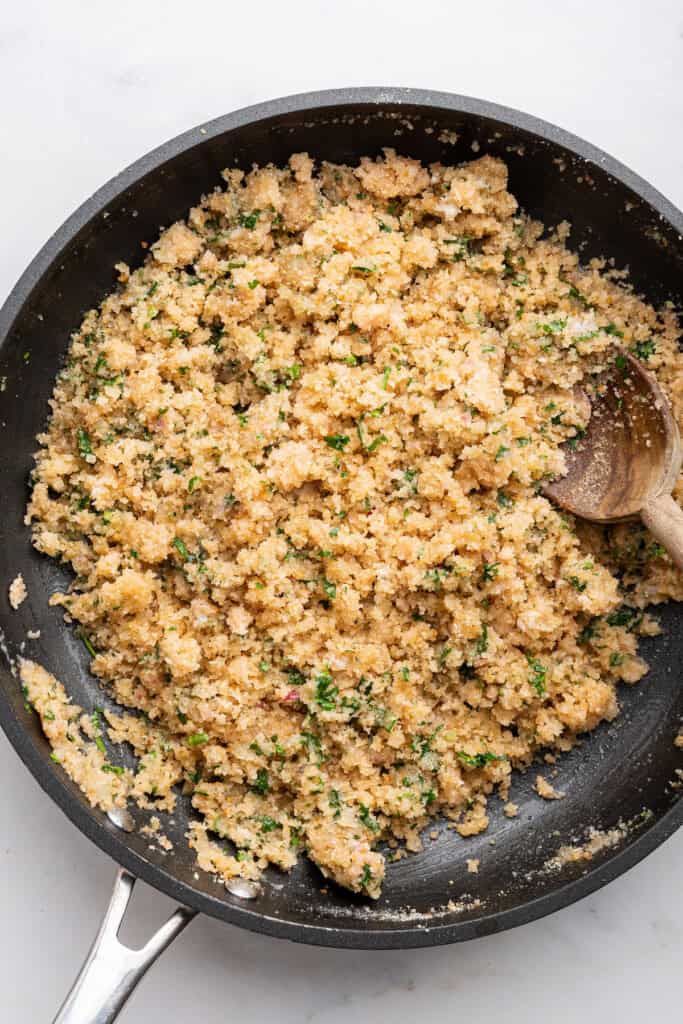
[664, 519]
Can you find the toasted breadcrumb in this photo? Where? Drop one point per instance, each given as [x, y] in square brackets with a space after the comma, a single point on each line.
[296, 462]
[17, 591]
[546, 790]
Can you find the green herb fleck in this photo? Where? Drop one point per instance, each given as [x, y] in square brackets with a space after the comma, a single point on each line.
[269, 824]
[613, 331]
[538, 674]
[482, 643]
[249, 220]
[461, 247]
[589, 632]
[335, 802]
[337, 441]
[325, 692]
[84, 443]
[181, 548]
[368, 819]
[479, 760]
[262, 783]
[644, 349]
[197, 739]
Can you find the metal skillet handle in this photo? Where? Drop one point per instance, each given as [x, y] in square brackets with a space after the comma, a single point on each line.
[112, 970]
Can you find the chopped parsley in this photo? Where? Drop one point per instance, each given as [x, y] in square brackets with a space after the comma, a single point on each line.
[261, 784]
[181, 548]
[573, 442]
[197, 739]
[644, 349]
[552, 327]
[269, 824]
[337, 441]
[312, 744]
[375, 443]
[589, 632]
[461, 247]
[249, 220]
[367, 818]
[479, 760]
[483, 640]
[625, 616]
[335, 802]
[326, 692]
[613, 331]
[88, 644]
[84, 443]
[443, 656]
[538, 674]
[578, 296]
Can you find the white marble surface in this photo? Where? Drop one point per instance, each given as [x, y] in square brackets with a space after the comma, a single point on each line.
[88, 87]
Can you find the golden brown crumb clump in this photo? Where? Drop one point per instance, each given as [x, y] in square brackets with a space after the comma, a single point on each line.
[294, 461]
[17, 592]
[546, 789]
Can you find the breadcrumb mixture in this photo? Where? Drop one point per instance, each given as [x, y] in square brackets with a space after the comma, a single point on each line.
[295, 462]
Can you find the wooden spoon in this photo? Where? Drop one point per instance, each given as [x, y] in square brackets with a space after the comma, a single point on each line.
[627, 462]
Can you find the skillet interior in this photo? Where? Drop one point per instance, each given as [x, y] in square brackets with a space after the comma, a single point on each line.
[619, 771]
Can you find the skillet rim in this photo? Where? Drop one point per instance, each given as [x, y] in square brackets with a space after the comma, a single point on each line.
[410, 935]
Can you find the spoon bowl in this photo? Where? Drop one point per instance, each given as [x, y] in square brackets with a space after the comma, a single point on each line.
[627, 461]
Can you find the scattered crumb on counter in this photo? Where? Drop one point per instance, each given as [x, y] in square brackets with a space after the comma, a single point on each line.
[510, 810]
[473, 865]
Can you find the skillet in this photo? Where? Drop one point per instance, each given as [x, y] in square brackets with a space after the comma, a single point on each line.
[623, 774]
